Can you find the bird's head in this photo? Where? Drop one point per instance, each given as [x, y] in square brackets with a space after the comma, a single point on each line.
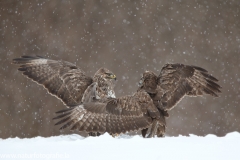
[104, 74]
[148, 82]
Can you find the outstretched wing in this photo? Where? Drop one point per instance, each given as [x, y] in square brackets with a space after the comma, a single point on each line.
[177, 80]
[62, 79]
[115, 116]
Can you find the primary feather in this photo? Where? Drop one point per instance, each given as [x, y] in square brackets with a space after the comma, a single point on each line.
[173, 83]
[65, 80]
[94, 107]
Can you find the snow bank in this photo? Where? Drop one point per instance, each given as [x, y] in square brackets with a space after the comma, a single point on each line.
[123, 147]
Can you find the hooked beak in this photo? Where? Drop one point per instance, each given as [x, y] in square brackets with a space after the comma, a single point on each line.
[112, 76]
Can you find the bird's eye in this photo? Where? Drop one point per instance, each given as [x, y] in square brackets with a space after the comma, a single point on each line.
[110, 75]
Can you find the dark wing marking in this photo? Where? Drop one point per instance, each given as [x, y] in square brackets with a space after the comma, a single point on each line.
[115, 116]
[177, 80]
[62, 79]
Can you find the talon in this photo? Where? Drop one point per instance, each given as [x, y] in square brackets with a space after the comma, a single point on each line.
[115, 135]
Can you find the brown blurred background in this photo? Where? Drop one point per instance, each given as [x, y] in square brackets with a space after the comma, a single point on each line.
[128, 37]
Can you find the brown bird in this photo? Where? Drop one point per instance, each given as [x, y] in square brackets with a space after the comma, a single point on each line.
[66, 81]
[147, 108]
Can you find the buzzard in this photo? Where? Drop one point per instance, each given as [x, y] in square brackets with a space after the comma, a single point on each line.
[66, 81]
[145, 109]
[93, 106]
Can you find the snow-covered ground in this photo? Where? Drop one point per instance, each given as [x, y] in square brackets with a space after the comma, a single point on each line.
[123, 147]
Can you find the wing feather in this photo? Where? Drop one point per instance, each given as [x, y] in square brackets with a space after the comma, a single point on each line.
[62, 79]
[177, 80]
[115, 116]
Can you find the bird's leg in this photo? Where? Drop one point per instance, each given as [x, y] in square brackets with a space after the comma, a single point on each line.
[161, 130]
[144, 132]
[153, 129]
[115, 135]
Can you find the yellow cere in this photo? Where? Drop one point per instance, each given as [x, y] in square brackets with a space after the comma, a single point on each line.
[112, 76]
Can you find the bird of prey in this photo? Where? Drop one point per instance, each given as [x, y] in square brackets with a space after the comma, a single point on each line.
[145, 109]
[66, 81]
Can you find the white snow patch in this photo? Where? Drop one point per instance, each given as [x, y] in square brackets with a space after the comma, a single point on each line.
[123, 147]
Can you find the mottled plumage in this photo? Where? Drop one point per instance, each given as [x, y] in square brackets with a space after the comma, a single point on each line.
[114, 115]
[173, 83]
[147, 108]
[94, 107]
[66, 81]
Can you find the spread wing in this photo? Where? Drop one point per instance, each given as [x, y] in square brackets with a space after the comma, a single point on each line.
[115, 116]
[177, 80]
[62, 79]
